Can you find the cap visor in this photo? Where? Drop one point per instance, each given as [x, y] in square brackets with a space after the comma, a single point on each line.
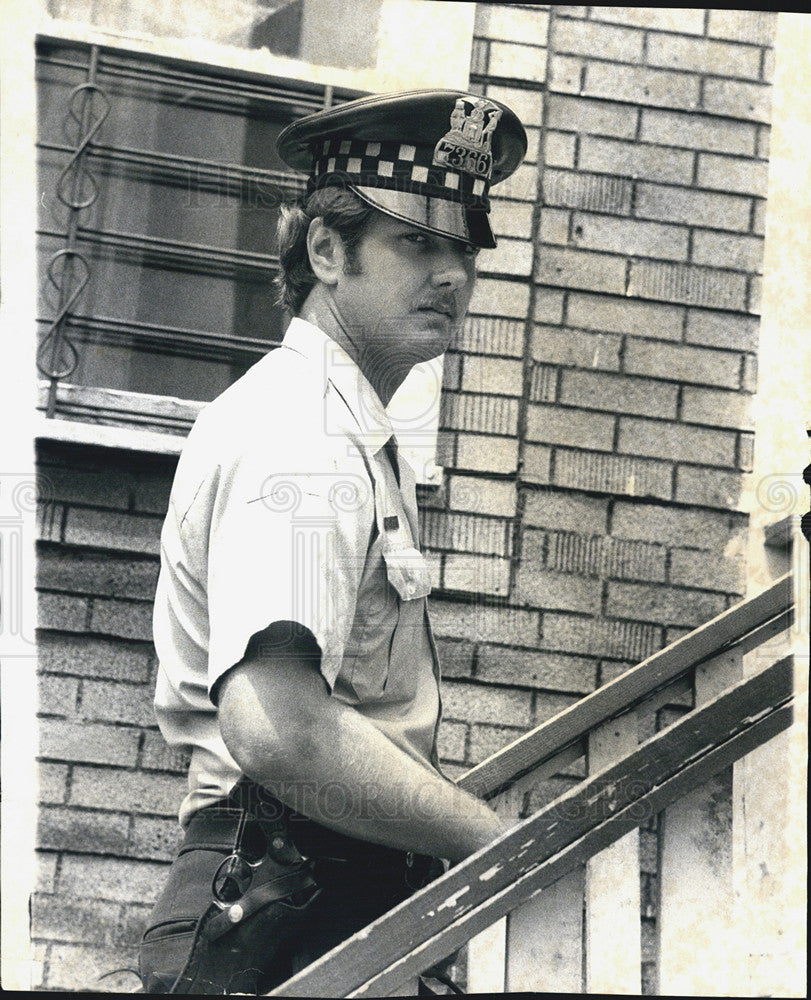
[436, 215]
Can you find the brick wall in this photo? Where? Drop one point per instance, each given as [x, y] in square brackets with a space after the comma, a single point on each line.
[597, 420]
[109, 787]
[595, 430]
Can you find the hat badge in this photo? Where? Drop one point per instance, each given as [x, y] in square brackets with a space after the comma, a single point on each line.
[466, 147]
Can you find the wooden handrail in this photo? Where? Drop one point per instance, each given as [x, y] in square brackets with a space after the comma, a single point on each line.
[598, 811]
[547, 845]
[731, 627]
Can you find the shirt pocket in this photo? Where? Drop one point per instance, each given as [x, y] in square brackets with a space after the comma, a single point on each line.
[365, 668]
[399, 574]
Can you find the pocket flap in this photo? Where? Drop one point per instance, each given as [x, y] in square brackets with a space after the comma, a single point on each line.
[407, 571]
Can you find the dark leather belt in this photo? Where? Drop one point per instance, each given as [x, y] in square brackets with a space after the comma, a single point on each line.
[214, 828]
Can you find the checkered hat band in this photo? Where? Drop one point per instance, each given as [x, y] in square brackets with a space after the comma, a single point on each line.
[397, 166]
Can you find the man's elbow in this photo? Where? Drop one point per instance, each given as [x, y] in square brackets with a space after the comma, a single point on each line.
[266, 744]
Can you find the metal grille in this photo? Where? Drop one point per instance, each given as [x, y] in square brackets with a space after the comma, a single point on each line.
[146, 229]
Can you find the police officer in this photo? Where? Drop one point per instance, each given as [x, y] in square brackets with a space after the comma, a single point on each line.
[296, 655]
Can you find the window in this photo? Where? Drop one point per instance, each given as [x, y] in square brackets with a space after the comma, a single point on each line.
[159, 188]
[160, 191]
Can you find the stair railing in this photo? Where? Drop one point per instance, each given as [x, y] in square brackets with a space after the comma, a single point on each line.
[554, 903]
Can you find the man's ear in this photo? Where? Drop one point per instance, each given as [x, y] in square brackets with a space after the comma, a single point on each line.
[326, 251]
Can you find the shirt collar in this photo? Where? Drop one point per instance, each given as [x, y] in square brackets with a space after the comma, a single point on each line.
[343, 373]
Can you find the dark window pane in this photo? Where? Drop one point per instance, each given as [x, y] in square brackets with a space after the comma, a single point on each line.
[176, 366]
[175, 247]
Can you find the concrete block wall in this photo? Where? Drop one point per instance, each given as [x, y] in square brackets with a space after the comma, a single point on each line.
[594, 431]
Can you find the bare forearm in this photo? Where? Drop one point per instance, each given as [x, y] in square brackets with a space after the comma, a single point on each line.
[367, 787]
[324, 759]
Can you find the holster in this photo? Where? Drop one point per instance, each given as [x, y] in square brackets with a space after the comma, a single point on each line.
[196, 945]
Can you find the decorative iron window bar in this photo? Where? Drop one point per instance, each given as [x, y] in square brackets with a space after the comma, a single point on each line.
[107, 330]
[175, 254]
[177, 169]
[221, 87]
[89, 103]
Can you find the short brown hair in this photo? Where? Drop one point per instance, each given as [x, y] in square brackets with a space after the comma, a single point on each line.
[340, 209]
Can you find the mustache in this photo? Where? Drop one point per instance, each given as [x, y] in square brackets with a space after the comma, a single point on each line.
[443, 303]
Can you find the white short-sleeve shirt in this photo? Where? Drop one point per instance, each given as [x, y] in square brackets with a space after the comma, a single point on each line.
[286, 508]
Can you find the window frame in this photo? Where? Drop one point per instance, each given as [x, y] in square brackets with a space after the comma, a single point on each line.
[159, 423]
[144, 69]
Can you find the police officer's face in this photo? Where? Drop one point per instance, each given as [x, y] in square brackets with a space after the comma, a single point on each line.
[410, 289]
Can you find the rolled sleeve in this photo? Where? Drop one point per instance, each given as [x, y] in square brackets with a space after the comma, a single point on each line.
[286, 546]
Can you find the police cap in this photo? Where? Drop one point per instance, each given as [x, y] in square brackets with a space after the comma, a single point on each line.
[428, 157]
